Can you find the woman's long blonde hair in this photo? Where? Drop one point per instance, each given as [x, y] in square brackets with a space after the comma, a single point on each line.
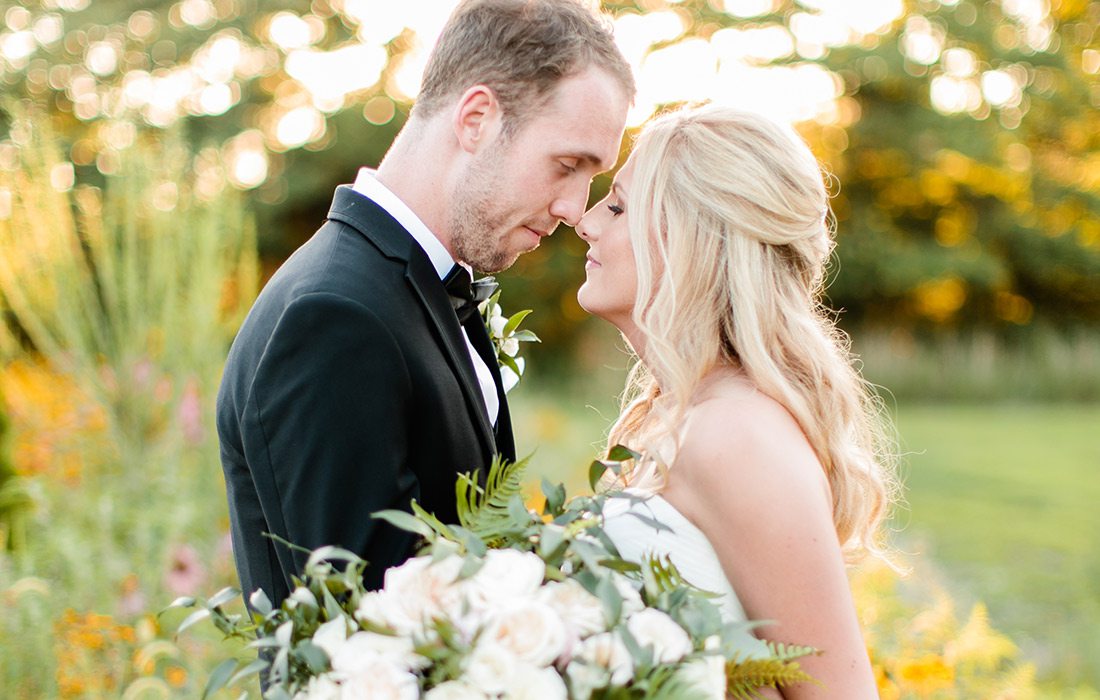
[729, 222]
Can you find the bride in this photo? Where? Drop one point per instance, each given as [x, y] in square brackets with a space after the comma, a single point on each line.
[762, 448]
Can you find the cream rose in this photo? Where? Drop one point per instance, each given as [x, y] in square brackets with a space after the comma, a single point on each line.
[415, 593]
[361, 648]
[320, 688]
[653, 628]
[378, 679]
[507, 574]
[331, 636]
[582, 612]
[607, 651]
[489, 666]
[707, 675]
[455, 690]
[531, 630]
[527, 682]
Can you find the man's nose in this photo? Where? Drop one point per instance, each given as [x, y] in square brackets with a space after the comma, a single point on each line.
[569, 207]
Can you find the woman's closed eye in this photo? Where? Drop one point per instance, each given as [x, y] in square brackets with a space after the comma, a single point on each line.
[615, 209]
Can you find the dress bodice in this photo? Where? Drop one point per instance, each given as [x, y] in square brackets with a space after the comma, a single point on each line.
[684, 544]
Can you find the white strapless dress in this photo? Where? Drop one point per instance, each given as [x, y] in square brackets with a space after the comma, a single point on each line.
[684, 544]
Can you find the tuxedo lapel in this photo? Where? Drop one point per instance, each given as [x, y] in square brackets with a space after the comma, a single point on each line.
[429, 289]
[377, 226]
[479, 338]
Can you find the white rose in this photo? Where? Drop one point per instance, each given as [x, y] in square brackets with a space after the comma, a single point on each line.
[455, 690]
[320, 688]
[528, 682]
[606, 650]
[497, 322]
[331, 636]
[361, 648]
[489, 666]
[380, 680]
[372, 608]
[707, 675]
[582, 612]
[529, 629]
[415, 593]
[653, 628]
[584, 678]
[506, 575]
[510, 347]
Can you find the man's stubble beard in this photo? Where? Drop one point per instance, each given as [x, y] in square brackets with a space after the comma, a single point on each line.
[478, 228]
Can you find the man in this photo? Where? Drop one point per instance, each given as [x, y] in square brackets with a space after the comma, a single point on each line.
[356, 383]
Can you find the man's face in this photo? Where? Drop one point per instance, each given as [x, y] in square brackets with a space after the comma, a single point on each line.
[519, 187]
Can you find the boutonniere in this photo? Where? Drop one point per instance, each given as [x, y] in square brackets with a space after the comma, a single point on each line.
[506, 336]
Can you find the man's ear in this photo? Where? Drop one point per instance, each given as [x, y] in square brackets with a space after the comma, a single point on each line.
[477, 118]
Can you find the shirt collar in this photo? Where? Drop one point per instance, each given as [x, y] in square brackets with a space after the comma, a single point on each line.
[367, 184]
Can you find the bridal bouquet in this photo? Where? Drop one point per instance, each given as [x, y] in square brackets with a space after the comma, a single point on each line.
[509, 603]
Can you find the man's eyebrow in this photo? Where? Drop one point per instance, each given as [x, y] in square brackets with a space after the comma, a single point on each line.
[590, 158]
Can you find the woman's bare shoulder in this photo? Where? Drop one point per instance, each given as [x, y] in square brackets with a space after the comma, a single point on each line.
[738, 439]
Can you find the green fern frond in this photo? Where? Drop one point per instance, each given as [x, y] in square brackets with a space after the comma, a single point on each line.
[790, 652]
[484, 510]
[744, 678]
[661, 575]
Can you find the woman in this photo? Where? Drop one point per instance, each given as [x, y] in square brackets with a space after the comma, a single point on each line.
[757, 434]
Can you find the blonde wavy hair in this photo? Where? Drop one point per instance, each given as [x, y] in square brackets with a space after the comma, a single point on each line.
[730, 227]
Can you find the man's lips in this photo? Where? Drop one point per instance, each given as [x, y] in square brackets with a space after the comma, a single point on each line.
[592, 262]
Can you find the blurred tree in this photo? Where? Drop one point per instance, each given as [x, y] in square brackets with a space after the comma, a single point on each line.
[963, 132]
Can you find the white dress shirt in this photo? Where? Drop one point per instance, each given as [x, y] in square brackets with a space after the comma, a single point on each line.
[368, 185]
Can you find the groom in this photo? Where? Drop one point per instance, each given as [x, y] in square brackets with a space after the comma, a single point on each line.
[363, 376]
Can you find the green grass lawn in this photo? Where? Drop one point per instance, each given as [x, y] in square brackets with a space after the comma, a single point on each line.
[1006, 500]
[1003, 507]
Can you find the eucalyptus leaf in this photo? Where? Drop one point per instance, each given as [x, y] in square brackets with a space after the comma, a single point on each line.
[404, 521]
[219, 677]
[552, 538]
[555, 496]
[223, 596]
[314, 656]
[193, 618]
[184, 601]
[325, 554]
[518, 512]
[251, 669]
[611, 599]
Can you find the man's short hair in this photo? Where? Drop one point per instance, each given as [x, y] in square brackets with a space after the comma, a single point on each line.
[521, 50]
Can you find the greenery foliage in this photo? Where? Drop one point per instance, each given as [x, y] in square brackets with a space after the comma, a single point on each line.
[566, 536]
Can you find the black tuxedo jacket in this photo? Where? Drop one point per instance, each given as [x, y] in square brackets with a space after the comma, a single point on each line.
[349, 389]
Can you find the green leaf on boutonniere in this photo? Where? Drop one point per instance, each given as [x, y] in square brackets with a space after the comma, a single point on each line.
[514, 321]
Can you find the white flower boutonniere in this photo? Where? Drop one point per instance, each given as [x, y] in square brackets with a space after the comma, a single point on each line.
[506, 336]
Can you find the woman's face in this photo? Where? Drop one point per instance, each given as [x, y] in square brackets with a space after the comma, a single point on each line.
[611, 283]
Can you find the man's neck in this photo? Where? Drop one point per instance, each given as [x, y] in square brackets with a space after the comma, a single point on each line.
[410, 172]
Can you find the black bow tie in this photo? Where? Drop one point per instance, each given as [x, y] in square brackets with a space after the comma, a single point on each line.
[466, 295]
